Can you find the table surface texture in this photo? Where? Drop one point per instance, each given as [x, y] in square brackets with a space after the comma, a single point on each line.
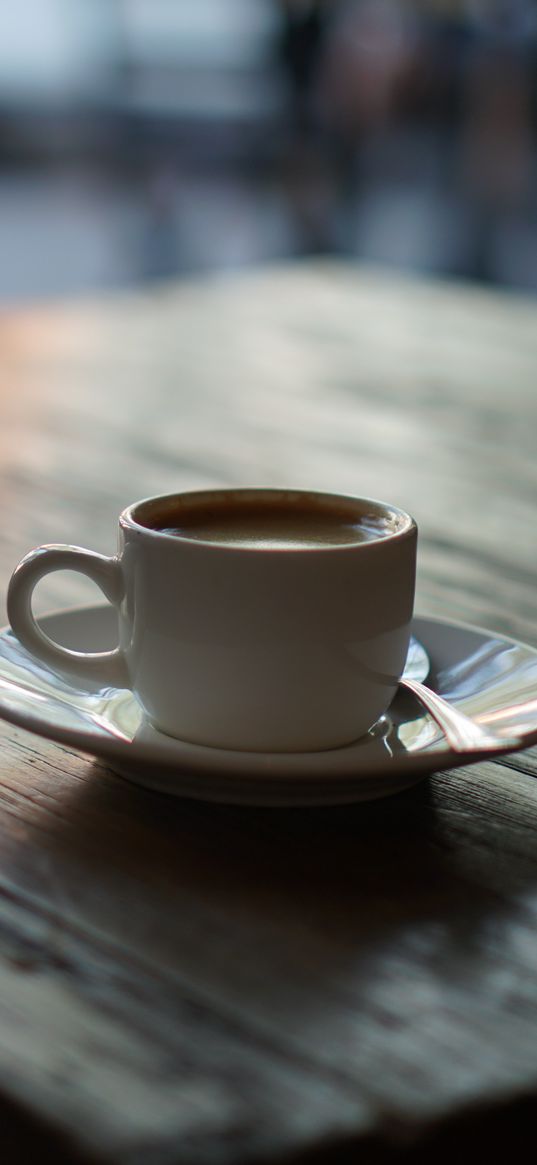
[193, 984]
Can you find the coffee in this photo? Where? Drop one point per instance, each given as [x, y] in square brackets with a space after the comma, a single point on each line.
[288, 523]
[264, 620]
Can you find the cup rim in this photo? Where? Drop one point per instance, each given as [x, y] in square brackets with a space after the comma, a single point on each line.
[130, 519]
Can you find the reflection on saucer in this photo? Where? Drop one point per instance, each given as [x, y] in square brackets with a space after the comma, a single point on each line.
[493, 679]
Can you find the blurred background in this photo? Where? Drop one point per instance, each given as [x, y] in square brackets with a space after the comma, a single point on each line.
[141, 139]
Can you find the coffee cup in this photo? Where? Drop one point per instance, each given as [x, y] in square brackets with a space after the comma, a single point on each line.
[254, 619]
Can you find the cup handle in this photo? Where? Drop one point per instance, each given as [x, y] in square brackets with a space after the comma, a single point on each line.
[107, 667]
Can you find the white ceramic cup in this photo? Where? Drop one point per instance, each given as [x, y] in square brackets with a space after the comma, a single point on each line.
[265, 648]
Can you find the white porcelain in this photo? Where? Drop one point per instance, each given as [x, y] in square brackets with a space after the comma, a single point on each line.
[492, 679]
[255, 649]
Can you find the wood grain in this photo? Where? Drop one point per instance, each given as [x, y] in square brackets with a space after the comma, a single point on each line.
[190, 983]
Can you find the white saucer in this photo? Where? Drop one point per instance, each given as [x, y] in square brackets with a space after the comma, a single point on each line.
[494, 680]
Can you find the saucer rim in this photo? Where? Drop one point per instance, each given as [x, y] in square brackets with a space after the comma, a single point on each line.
[279, 768]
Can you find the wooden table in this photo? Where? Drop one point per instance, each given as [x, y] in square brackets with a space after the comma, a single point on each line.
[190, 983]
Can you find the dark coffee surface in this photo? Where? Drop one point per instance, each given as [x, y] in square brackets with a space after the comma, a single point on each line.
[260, 526]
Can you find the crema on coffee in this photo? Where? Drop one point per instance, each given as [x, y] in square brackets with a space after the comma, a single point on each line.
[287, 522]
